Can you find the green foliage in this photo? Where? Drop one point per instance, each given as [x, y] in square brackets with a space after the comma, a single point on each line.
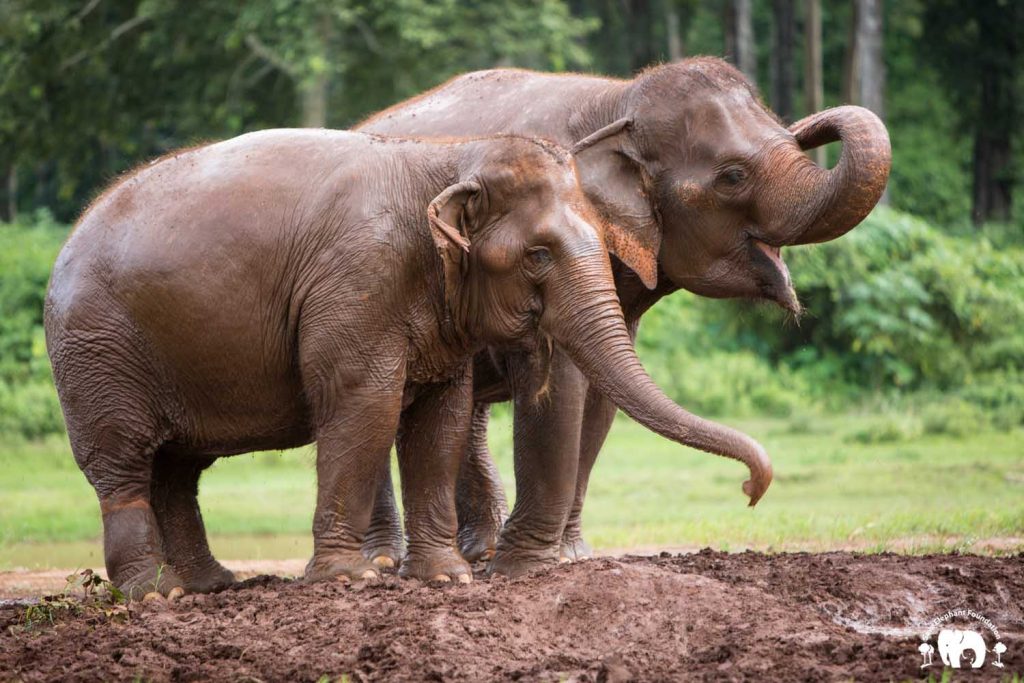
[28, 404]
[897, 304]
[954, 417]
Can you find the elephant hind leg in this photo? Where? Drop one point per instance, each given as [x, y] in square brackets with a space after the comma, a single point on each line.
[174, 491]
[119, 466]
[115, 431]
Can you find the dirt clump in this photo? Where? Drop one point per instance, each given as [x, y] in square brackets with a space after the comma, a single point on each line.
[705, 616]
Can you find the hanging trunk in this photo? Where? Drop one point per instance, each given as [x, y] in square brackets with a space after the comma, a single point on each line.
[587, 322]
[814, 91]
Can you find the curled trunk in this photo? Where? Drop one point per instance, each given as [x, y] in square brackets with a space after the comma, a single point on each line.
[809, 203]
[587, 322]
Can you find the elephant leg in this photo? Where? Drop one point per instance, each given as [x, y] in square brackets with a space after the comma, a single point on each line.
[174, 492]
[480, 496]
[114, 440]
[547, 444]
[431, 441]
[354, 440]
[384, 545]
[598, 415]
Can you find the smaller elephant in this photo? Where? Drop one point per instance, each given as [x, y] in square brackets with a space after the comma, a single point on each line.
[291, 286]
[954, 643]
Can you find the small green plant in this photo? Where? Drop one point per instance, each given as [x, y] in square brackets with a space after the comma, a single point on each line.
[99, 597]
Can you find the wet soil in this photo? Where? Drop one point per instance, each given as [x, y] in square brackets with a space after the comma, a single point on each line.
[703, 616]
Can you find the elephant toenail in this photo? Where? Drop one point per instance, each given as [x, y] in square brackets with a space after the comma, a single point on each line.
[384, 561]
[152, 596]
[465, 578]
[369, 574]
[443, 578]
[175, 593]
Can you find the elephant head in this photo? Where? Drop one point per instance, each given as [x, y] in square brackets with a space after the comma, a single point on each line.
[697, 175]
[521, 252]
[954, 643]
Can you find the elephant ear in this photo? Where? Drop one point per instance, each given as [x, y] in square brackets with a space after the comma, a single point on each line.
[446, 215]
[616, 185]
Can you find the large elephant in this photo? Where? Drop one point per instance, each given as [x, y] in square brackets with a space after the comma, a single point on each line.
[699, 186]
[287, 286]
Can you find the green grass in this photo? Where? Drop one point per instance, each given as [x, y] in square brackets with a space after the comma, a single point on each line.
[832, 489]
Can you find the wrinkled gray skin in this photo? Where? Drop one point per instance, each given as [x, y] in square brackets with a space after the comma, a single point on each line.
[290, 286]
[699, 186]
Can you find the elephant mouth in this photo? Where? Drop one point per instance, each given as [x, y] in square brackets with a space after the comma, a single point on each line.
[775, 281]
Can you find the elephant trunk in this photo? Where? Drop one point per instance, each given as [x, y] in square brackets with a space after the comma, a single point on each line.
[583, 315]
[813, 204]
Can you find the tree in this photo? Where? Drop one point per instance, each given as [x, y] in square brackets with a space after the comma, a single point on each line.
[740, 46]
[866, 78]
[814, 91]
[977, 46]
[782, 74]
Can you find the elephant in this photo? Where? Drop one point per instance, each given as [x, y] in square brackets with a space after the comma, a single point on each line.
[699, 186]
[291, 286]
[954, 643]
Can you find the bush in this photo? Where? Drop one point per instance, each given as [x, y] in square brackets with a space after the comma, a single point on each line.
[28, 403]
[30, 410]
[954, 417]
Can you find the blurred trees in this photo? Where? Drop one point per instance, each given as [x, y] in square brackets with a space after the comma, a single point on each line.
[90, 87]
[978, 48]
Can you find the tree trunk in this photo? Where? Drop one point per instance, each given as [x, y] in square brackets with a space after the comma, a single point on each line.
[870, 71]
[866, 70]
[783, 35]
[12, 193]
[673, 36]
[313, 100]
[814, 91]
[993, 179]
[739, 37]
[642, 48]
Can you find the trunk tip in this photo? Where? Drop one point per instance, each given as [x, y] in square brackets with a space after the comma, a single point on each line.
[760, 480]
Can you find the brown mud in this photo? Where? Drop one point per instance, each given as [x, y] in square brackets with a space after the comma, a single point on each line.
[705, 616]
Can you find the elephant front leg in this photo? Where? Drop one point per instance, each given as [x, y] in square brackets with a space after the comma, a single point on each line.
[431, 440]
[598, 416]
[480, 496]
[353, 443]
[547, 445]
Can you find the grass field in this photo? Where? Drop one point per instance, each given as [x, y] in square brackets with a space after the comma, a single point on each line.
[831, 490]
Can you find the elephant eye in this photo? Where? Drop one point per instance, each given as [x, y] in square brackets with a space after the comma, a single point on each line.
[732, 176]
[539, 256]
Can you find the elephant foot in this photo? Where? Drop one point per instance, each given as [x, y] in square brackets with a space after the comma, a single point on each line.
[384, 548]
[341, 564]
[153, 583]
[574, 549]
[477, 540]
[513, 563]
[211, 577]
[444, 565]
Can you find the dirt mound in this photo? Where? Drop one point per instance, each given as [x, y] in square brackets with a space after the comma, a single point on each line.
[705, 616]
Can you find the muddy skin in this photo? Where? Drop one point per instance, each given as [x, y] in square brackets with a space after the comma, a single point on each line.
[698, 187]
[708, 616]
[295, 285]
